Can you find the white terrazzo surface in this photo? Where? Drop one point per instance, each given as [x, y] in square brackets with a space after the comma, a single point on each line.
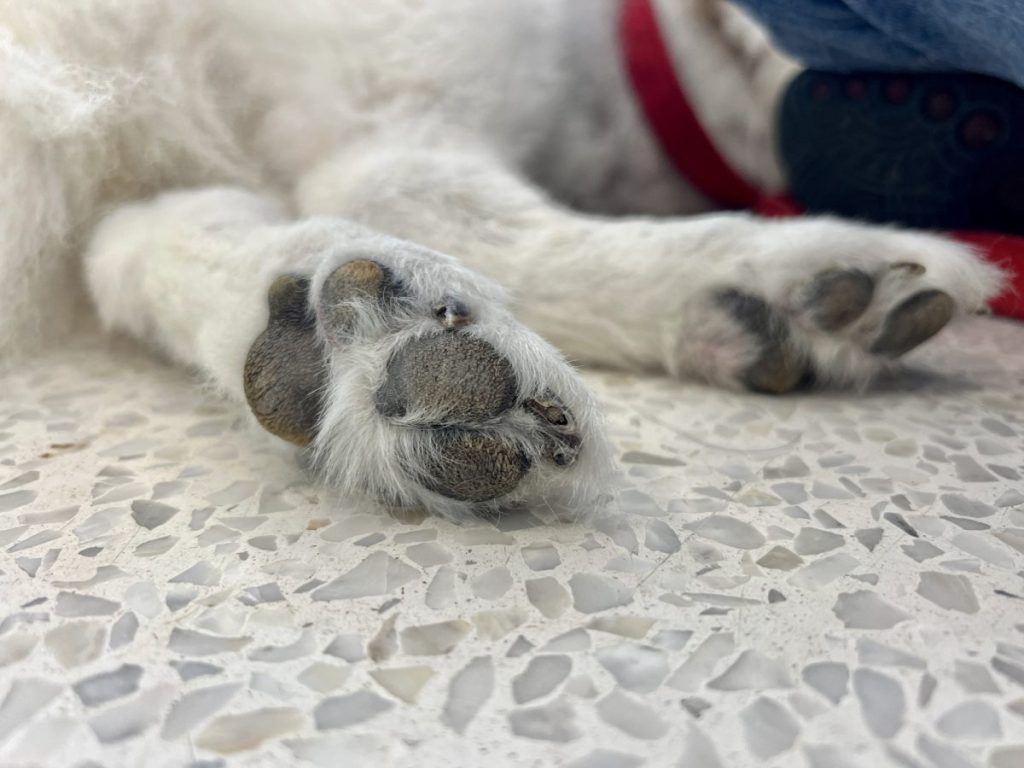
[820, 581]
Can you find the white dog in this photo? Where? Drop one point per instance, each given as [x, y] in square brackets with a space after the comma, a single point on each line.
[431, 194]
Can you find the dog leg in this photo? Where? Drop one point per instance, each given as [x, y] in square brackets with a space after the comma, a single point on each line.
[734, 78]
[400, 369]
[729, 298]
[40, 296]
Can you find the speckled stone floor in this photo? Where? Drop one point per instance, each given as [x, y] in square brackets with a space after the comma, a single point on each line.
[820, 581]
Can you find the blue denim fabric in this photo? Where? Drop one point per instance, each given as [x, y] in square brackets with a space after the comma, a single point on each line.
[984, 36]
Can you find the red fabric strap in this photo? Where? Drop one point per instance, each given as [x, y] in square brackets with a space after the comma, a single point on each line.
[670, 114]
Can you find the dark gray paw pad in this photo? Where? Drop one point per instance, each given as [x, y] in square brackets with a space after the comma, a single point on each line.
[913, 322]
[562, 441]
[837, 297]
[354, 281]
[284, 370]
[780, 367]
[447, 378]
[474, 467]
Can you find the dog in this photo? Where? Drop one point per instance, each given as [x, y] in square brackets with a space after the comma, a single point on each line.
[387, 226]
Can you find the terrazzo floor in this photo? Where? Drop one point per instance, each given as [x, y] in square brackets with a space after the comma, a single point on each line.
[821, 581]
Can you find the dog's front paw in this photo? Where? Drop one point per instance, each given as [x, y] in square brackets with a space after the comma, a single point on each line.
[842, 304]
[412, 383]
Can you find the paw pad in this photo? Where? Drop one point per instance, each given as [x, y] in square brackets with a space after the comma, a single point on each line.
[447, 417]
[779, 367]
[837, 297]
[474, 467]
[284, 370]
[447, 378]
[913, 322]
[361, 280]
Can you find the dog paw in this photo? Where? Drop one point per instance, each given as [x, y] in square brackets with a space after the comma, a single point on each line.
[839, 313]
[411, 382]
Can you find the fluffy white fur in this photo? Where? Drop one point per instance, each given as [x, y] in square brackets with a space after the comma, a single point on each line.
[195, 151]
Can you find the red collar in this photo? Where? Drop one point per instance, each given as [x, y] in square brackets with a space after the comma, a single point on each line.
[670, 114]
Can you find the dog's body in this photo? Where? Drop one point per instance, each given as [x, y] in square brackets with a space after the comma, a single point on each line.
[375, 166]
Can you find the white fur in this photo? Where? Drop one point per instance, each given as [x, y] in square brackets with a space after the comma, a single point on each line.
[420, 135]
[189, 272]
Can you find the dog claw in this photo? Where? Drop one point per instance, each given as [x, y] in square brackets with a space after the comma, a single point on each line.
[453, 314]
[549, 409]
[563, 444]
[912, 268]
